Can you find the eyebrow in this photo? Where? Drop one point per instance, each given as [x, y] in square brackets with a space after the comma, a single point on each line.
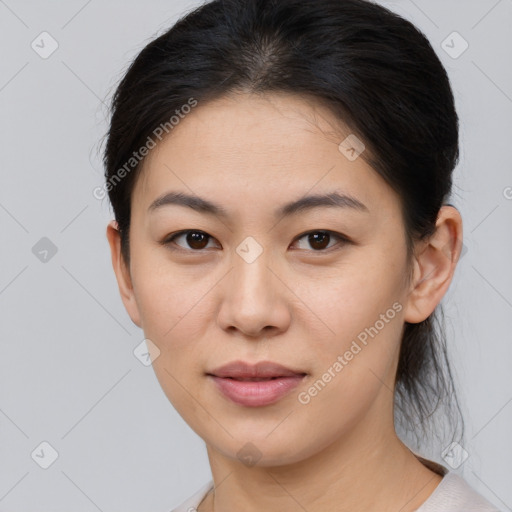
[333, 199]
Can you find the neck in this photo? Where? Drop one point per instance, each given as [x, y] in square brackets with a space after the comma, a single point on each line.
[361, 471]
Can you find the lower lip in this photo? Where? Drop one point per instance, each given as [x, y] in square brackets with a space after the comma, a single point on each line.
[256, 393]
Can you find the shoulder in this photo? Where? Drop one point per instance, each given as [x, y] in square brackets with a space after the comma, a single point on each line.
[454, 494]
[191, 504]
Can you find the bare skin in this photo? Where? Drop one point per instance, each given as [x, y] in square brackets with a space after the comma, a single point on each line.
[295, 304]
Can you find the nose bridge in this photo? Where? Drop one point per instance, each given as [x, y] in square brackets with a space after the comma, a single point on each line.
[252, 297]
[252, 279]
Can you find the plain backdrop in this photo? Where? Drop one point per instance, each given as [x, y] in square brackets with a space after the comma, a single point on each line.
[69, 376]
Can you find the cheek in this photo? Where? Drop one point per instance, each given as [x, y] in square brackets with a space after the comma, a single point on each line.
[170, 306]
[357, 363]
[349, 301]
[175, 313]
[164, 293]
[361, 320]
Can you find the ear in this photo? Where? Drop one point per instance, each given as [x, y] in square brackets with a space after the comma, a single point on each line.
[122, 273]
[434, 265]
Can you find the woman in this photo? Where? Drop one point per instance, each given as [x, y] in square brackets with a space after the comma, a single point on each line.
[279, 173]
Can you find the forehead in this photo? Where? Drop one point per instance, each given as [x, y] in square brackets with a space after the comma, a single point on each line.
[257, 149]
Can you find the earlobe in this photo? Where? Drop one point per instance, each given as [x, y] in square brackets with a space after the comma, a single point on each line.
[122, 273]
[434, 265]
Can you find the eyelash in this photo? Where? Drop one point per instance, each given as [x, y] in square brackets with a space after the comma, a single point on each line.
[169, 241]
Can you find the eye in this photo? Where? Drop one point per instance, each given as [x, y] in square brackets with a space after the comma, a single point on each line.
[320, 239]
[198, 240]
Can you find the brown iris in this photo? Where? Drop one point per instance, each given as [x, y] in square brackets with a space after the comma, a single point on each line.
[319, 240]
[197, 240]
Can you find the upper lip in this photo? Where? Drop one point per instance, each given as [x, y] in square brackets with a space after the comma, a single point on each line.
[262, 369]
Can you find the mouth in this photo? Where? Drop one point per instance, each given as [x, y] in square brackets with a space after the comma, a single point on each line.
[255, 385]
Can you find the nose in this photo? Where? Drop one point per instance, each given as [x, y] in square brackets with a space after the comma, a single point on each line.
[254, 299]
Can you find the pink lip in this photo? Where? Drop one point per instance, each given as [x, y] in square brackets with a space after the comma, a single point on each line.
[259, 393]
[278, 381]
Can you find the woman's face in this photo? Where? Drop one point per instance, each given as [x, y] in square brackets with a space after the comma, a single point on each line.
[253, 286]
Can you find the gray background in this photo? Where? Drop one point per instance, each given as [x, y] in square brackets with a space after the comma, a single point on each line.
[68, 373]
